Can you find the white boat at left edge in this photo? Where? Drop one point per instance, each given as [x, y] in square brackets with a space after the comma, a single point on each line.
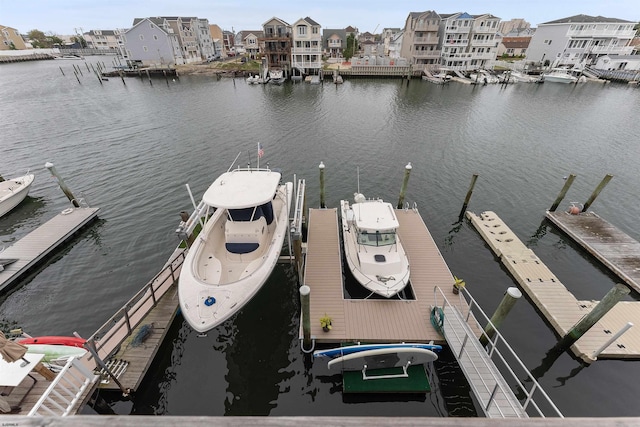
[246, 218]
[13, 191]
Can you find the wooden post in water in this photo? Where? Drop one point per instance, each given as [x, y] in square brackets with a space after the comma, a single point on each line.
[149, 77]
[563, 192]
[61, 70]
[77, 78]
[610, 299]
[305, 296]
[512, 295]
[122, 77]
[474, 178]
[597, 191]
[61, 183]
[85, 63]
[321, 167]
[405, 183]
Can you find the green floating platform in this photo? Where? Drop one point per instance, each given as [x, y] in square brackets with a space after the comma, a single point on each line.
[415, 382]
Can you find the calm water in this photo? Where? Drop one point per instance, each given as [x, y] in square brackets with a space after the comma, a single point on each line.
[130, 149]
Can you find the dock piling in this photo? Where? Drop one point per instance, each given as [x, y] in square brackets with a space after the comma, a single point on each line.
[617, 335]
[512, 295]
[321, 167]
[612, 297]
[474, 178]
[563, 192]
[405, 182]
[61, 183]
[61, 70]
[597, 191]
[305, 294]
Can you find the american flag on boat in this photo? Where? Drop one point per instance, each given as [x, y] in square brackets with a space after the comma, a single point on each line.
[260, 150]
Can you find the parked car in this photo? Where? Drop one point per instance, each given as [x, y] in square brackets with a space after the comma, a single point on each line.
[231, 54]
[212, 58]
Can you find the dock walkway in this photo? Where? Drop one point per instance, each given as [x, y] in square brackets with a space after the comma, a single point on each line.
[373, 320]
[35, 246]
[559, 306]
[619, 252]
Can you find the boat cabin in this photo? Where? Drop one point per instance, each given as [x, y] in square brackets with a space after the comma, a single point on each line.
[376, 223]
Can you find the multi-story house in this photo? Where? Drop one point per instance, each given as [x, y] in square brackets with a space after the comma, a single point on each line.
[395, 45]
[421, 39]
[514, 46]
[10, 38]
[228, 41]
[277, 44]
[250, 41]
[580, 39]
[188, 31]
[203, 37]
[306, 52]
[468, 41]
[518, 24]
[217, 39]
[151, 42]
[101, 39]
[386, 36]
[334, 41]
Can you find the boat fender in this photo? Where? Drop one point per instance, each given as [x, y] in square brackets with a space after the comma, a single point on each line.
[209, 301]
[67, 211]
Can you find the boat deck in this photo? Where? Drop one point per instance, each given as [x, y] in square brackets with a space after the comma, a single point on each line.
[559, 306]
[38, 244]
[619, 252]
[373, 320]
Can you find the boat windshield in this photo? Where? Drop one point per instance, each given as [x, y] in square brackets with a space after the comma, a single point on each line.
[377, 238]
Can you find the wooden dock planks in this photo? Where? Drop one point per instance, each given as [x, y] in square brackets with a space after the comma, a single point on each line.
[616, 250]
[373, 320]
[559, 306]
[36, 245]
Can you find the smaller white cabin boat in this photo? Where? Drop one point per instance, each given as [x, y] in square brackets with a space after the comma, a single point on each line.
[372, 246]
[253, 79]
[276, 77]
[561, 75]
[13, 191]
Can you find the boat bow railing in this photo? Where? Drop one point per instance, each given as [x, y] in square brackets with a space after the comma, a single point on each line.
[495, 361]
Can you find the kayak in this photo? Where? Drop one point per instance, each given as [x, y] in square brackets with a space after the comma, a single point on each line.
[54, 340]
[52, 352]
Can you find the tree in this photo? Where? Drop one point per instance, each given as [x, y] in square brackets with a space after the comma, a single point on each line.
[38, 39]
[352, 47]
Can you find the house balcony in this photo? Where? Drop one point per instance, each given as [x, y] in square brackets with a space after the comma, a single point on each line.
[307, 64]
[307, 50]
[425, 27]
[456, 43]
[609, 50]
[426, 54]
[457, 30]
[485, 55]
[458, 56]
[426, 40]
[595, 32]
[485, 30]
[334, 45]
[483, 43]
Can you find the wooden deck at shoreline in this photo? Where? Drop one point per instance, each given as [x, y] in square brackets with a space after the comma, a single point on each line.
[38, 244]
[619, 252]
[373, 320]
[561, 309]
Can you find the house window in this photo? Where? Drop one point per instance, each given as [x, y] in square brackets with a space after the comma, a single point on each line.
[315, 30]
[151, 25]
[155, 37]
[145, 49]
[141, 36]
[302, 30]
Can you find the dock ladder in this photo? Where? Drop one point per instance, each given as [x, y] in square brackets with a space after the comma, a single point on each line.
[484, 367]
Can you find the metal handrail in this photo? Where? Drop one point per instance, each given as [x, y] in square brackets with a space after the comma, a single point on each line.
[122, 318]
[65, 390]
[494, 353]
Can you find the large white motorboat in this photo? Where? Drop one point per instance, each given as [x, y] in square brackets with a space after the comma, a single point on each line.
[276, 77]
[560, 75]
[246, 217]
[372, 246]
[13, 191]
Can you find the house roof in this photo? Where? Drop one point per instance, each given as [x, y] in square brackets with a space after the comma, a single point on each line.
[585, 19]
[311, 21]
[328, 32]
[350, 29]
[277, 19]
[428, 13]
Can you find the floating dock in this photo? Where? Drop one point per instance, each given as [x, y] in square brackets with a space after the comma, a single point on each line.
[373, 320]
[619, 252]
[35, 246]
[561, 309]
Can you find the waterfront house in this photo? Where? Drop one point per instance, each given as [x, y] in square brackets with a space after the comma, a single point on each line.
[10, 38]
[513, 46]
[395, 45]
[217, 37]
[151, 42]
[250, 41]
[468, 41]
[306, 52]
[387, 35]
[618, 62]
[334, 41]
[421, 41]
[580, 40]
[277, 44]
[102, 39]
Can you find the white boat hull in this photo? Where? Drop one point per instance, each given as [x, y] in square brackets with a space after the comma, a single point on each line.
[13, 191]
[385, 278]
[215, 283]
